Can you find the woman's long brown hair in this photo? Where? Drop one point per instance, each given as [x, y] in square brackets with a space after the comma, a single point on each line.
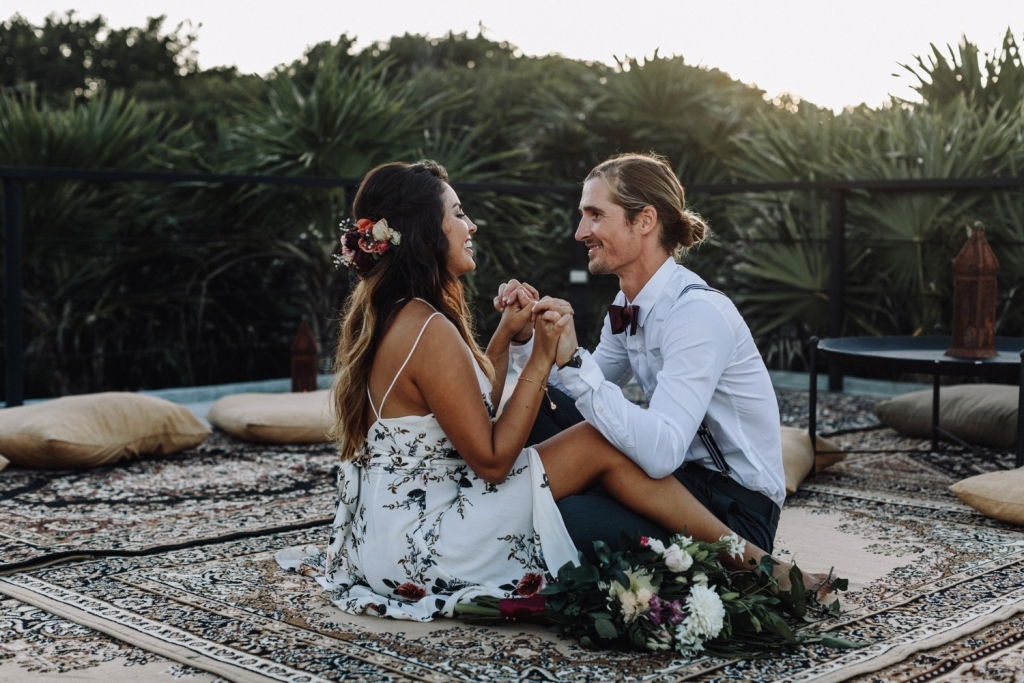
[409, 196]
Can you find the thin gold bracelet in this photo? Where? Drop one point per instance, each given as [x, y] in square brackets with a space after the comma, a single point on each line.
[543, 387]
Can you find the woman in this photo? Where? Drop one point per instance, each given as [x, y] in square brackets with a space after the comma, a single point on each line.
[439, 501]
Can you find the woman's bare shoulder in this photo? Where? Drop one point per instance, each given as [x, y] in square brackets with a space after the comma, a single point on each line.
[417, 319]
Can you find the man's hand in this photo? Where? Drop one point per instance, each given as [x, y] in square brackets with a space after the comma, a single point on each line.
[522, 295]
[554, 309]
[549, 327]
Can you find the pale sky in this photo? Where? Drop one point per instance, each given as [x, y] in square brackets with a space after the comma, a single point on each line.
[833, 53]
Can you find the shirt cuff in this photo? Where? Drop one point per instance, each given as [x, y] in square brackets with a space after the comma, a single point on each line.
[520, 353]
[587, 377]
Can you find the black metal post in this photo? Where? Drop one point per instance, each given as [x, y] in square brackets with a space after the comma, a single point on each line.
[1020, 416]
[935, 411]
[14, 353]
[812, 412]
[836, 279]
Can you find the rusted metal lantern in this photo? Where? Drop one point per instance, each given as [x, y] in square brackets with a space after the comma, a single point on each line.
[974, 298]
[304, 359]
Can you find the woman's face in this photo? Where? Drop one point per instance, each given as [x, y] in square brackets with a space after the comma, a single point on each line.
[459, 230]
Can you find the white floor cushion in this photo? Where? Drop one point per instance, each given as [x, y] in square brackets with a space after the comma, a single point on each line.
[999, 495]
[798, 458]
[95, 429]
[276, 418]
[984, 414]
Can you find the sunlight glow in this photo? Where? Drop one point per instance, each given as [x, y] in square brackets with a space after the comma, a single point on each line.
[830, 53]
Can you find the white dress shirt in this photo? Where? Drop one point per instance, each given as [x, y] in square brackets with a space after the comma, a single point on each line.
[694, 359]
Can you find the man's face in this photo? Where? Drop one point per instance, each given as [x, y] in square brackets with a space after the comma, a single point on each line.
[611, 241]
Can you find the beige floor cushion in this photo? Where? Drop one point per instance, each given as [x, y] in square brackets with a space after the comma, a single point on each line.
[95, 429]
[798, 458]
[984, 414]
[999, 495]
[275, 418]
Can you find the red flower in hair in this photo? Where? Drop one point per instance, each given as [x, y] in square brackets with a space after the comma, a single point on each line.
[364, 242]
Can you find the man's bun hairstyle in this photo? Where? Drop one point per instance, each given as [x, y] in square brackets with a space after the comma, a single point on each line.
[639, 180]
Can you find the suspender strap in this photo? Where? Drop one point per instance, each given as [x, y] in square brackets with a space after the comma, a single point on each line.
[705, 288]
[706, 437]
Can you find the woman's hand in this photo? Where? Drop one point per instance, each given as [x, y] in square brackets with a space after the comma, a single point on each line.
[515, 321]
[511, 293]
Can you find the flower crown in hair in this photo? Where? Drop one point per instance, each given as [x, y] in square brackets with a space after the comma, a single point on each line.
[363, 242]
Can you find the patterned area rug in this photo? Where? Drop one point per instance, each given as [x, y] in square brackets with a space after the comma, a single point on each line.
[937, 592]
[38, 646]
[222, 489]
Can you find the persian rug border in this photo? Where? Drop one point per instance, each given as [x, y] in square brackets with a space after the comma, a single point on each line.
[902, 652]
[107, 622]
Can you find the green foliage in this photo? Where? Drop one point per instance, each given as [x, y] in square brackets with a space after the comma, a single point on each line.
[68, 55]
[77, 294]
[899, 245]
[942, 80]
[207, 283]
[645, 597]
[686, 113]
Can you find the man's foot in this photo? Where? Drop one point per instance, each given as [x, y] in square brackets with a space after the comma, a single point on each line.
[815, 583]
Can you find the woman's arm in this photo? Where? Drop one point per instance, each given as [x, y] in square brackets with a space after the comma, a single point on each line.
[514, 318]
[446, 377]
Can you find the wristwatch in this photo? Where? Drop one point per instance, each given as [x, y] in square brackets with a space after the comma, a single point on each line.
[576, 361]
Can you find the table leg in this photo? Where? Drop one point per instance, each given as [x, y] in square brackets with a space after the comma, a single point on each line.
[1020, 416]
[812, 416]
[935, 413]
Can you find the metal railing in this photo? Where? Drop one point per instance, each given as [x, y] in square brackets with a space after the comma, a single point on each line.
[13, 179]
[837, 192]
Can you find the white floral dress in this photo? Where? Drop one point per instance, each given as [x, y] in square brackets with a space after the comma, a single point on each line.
[416, 531]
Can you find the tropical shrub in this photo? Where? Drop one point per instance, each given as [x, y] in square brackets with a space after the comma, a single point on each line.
[899, 245]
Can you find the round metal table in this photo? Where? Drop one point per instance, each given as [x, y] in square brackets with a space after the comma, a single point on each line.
[923, 355]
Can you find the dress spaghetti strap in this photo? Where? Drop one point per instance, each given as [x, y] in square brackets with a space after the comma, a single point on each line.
[406, 362]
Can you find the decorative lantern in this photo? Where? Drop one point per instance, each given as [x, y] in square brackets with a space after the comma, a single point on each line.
[974, 298]
[304, 359]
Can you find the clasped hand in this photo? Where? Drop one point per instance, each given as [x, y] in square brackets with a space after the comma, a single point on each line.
[552, 326]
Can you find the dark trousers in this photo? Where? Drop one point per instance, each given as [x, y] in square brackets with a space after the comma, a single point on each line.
[594, 516]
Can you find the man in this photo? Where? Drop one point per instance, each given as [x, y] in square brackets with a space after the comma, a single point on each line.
[687, 346]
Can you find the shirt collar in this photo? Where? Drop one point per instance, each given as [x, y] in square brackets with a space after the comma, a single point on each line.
[648, 296]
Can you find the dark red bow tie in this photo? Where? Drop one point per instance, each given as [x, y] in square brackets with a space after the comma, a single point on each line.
[623, 317]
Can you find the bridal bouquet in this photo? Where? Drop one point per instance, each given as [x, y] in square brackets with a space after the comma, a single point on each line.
[676, 597]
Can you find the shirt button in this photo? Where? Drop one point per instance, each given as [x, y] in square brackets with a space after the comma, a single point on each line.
[600, 409]
[640, 349]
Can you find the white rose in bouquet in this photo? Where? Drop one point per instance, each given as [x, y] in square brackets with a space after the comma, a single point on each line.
[736, 545]
[706, 614]
[677, 559]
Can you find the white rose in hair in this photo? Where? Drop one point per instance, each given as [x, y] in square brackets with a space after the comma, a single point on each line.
[381, 231]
